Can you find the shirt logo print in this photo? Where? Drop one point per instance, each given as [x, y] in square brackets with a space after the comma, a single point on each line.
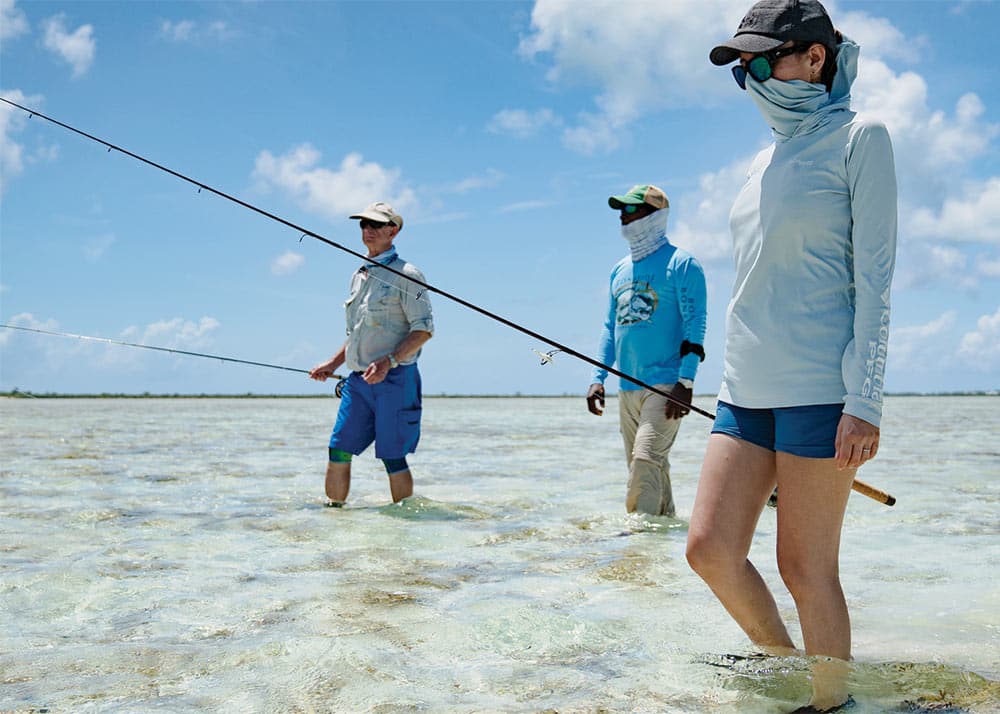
[636, 302]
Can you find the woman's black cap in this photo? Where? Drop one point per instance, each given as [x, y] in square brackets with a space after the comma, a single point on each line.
[772, 23]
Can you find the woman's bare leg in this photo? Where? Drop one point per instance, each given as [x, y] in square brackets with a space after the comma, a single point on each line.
[813, 498]
[737, 478]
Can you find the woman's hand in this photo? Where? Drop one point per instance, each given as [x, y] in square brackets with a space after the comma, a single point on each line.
[856, 442]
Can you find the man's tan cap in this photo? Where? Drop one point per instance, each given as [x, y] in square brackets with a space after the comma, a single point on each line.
[381, 211]
[642, 193]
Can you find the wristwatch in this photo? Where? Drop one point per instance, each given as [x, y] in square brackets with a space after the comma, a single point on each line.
[689, 383]
[393, 362]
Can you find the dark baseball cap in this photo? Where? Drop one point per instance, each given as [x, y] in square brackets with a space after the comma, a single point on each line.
[772, 23]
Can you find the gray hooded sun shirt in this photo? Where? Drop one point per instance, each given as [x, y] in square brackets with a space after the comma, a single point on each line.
[814, 239]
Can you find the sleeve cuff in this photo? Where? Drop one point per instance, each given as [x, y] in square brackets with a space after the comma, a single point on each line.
[864, 409]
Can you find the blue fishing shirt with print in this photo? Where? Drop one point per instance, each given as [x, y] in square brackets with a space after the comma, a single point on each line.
[654, 304]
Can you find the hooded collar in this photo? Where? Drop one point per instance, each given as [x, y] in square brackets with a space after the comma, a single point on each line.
[796, 108]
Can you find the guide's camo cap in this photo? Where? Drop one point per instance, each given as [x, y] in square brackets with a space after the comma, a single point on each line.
[382, 212]
[640, 194]
[772, 23]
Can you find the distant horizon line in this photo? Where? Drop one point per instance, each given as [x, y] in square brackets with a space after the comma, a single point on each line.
[27, 394]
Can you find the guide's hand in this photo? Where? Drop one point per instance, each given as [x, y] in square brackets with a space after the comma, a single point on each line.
[595, 399]
[682, 393]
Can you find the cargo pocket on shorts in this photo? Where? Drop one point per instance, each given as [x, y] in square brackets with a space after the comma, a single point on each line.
[408, 426]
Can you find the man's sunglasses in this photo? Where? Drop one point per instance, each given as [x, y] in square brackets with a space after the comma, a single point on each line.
[761, 67]
[374, 225]
[631, 208]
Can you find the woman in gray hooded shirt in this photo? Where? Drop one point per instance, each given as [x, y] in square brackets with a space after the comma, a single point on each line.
[814, 235]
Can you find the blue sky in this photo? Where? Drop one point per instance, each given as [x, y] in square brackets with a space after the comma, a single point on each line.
[498, 130]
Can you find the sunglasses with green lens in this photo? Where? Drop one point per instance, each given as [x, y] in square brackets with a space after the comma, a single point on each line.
[761, 67]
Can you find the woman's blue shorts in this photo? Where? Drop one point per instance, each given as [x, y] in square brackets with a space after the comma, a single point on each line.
[808, 431]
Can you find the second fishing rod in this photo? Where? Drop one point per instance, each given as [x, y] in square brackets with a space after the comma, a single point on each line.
[858, 486]
[306, 232]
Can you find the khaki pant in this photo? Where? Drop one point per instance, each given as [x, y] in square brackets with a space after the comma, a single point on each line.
[648, 436]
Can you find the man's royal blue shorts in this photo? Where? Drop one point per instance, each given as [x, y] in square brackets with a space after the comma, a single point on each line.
[809, 431]
[387, 413]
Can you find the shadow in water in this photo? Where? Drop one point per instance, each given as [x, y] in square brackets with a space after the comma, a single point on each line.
[418, 508]
[876, 687]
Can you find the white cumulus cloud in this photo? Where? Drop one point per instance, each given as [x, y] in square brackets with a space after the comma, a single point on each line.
[191, 31]
[332, 193]
[12, 154]
[13, 23]
[522, 206]
[922, 265]
[981, 347]
[287, 263]
[973, 216]
[179, 31]
[55, 353]
[176, 333]
[640, 57]
[595, 133]
[926, 141]
[702, 216]
[488, 179]
[26, 319]
[522, 123]
[76, 48]
[915, 347]
[988, 267]
[11, 121]
[877, 36]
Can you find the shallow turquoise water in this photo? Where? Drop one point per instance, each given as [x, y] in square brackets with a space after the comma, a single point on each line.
[174, 555]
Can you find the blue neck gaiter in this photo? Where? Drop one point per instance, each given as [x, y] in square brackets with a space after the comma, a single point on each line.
[795, 108]
[385, 257]
[786, 104]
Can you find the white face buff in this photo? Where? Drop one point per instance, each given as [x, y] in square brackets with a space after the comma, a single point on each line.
[647, 234]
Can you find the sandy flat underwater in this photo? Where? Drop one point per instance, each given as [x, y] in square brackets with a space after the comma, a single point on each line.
[174, 555]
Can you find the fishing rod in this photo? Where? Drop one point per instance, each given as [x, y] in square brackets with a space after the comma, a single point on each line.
[306, 232]
[865, 489]
[160, 349]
